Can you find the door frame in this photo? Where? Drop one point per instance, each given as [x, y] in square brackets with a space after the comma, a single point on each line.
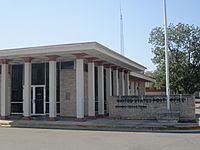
[33, 87]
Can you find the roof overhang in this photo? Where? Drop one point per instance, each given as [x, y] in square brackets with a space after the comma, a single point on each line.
[66, 51]
[143, 77]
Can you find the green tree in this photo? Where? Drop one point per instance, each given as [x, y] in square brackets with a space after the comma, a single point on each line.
[184, 57]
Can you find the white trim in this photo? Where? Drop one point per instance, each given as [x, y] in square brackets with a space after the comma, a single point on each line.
[16, 113]
[16, 102]
[142, 76]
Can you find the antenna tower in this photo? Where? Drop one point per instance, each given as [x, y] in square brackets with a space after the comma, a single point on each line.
[121, 31]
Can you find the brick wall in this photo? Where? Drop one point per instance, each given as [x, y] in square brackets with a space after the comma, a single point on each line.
[68, 93]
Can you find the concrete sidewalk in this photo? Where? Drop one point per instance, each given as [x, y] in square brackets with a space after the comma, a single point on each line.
[101, 124]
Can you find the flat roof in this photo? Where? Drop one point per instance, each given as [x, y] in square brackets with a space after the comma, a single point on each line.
[92, 49]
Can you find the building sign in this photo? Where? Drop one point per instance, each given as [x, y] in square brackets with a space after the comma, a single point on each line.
[140, 102]
[148, 107]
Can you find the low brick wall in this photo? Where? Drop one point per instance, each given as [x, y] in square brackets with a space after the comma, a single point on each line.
[148, 107]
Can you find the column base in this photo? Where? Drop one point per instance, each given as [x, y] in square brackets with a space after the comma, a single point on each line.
[4, 117]
[52, 118]
[27, 118]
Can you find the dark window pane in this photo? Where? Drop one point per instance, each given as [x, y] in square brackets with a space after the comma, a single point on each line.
[112, 82]
[96, 106]
[96, 89]
[39, 100]
[58, 82]
[85, 67]
[47, 74]
[105, 94]
[47, 94]
[47, 107]
[38, 74]
[58, 107]
[67, 65]
[16, 83]
[47, 82]
[16, 108]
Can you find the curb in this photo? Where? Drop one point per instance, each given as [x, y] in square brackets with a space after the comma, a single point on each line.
[104, 127]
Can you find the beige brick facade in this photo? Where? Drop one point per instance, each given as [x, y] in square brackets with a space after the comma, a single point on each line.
[68, 93]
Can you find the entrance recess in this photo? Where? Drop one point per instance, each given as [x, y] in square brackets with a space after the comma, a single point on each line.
[38, 101]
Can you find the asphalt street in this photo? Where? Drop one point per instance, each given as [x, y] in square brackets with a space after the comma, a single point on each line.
[51, 139]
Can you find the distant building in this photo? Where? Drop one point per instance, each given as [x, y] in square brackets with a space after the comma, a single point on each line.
[72, 80]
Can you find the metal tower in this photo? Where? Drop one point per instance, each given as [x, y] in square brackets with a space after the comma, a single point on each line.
[121, 32]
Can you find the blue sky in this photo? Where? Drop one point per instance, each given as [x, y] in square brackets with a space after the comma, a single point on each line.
[27, 23]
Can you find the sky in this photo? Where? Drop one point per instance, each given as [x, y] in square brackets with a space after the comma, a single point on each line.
[26, 23]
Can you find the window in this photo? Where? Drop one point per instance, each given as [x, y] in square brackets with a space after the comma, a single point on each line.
[38, 74]
[17, 89]
[85, 67]
[67, 65]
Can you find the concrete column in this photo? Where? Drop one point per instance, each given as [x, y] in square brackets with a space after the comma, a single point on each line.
[108, 82]
[115, 82]
[100, 89]
[91, 89]
[127, 82]
[52, 86]
[27, 88]
[5, 102]
[79, 88]
[121, 82]
[108, 85]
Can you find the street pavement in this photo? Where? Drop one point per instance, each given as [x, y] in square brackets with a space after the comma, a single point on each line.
[52, 139]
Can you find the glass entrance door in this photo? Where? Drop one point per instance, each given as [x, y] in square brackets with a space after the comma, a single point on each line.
[38, 100]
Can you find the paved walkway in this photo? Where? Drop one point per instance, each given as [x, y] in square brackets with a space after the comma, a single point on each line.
[99, 124]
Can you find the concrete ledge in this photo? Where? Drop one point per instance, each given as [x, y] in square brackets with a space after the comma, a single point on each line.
[80, 119]
[102, 124]
[52, 119]
[168, 116]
